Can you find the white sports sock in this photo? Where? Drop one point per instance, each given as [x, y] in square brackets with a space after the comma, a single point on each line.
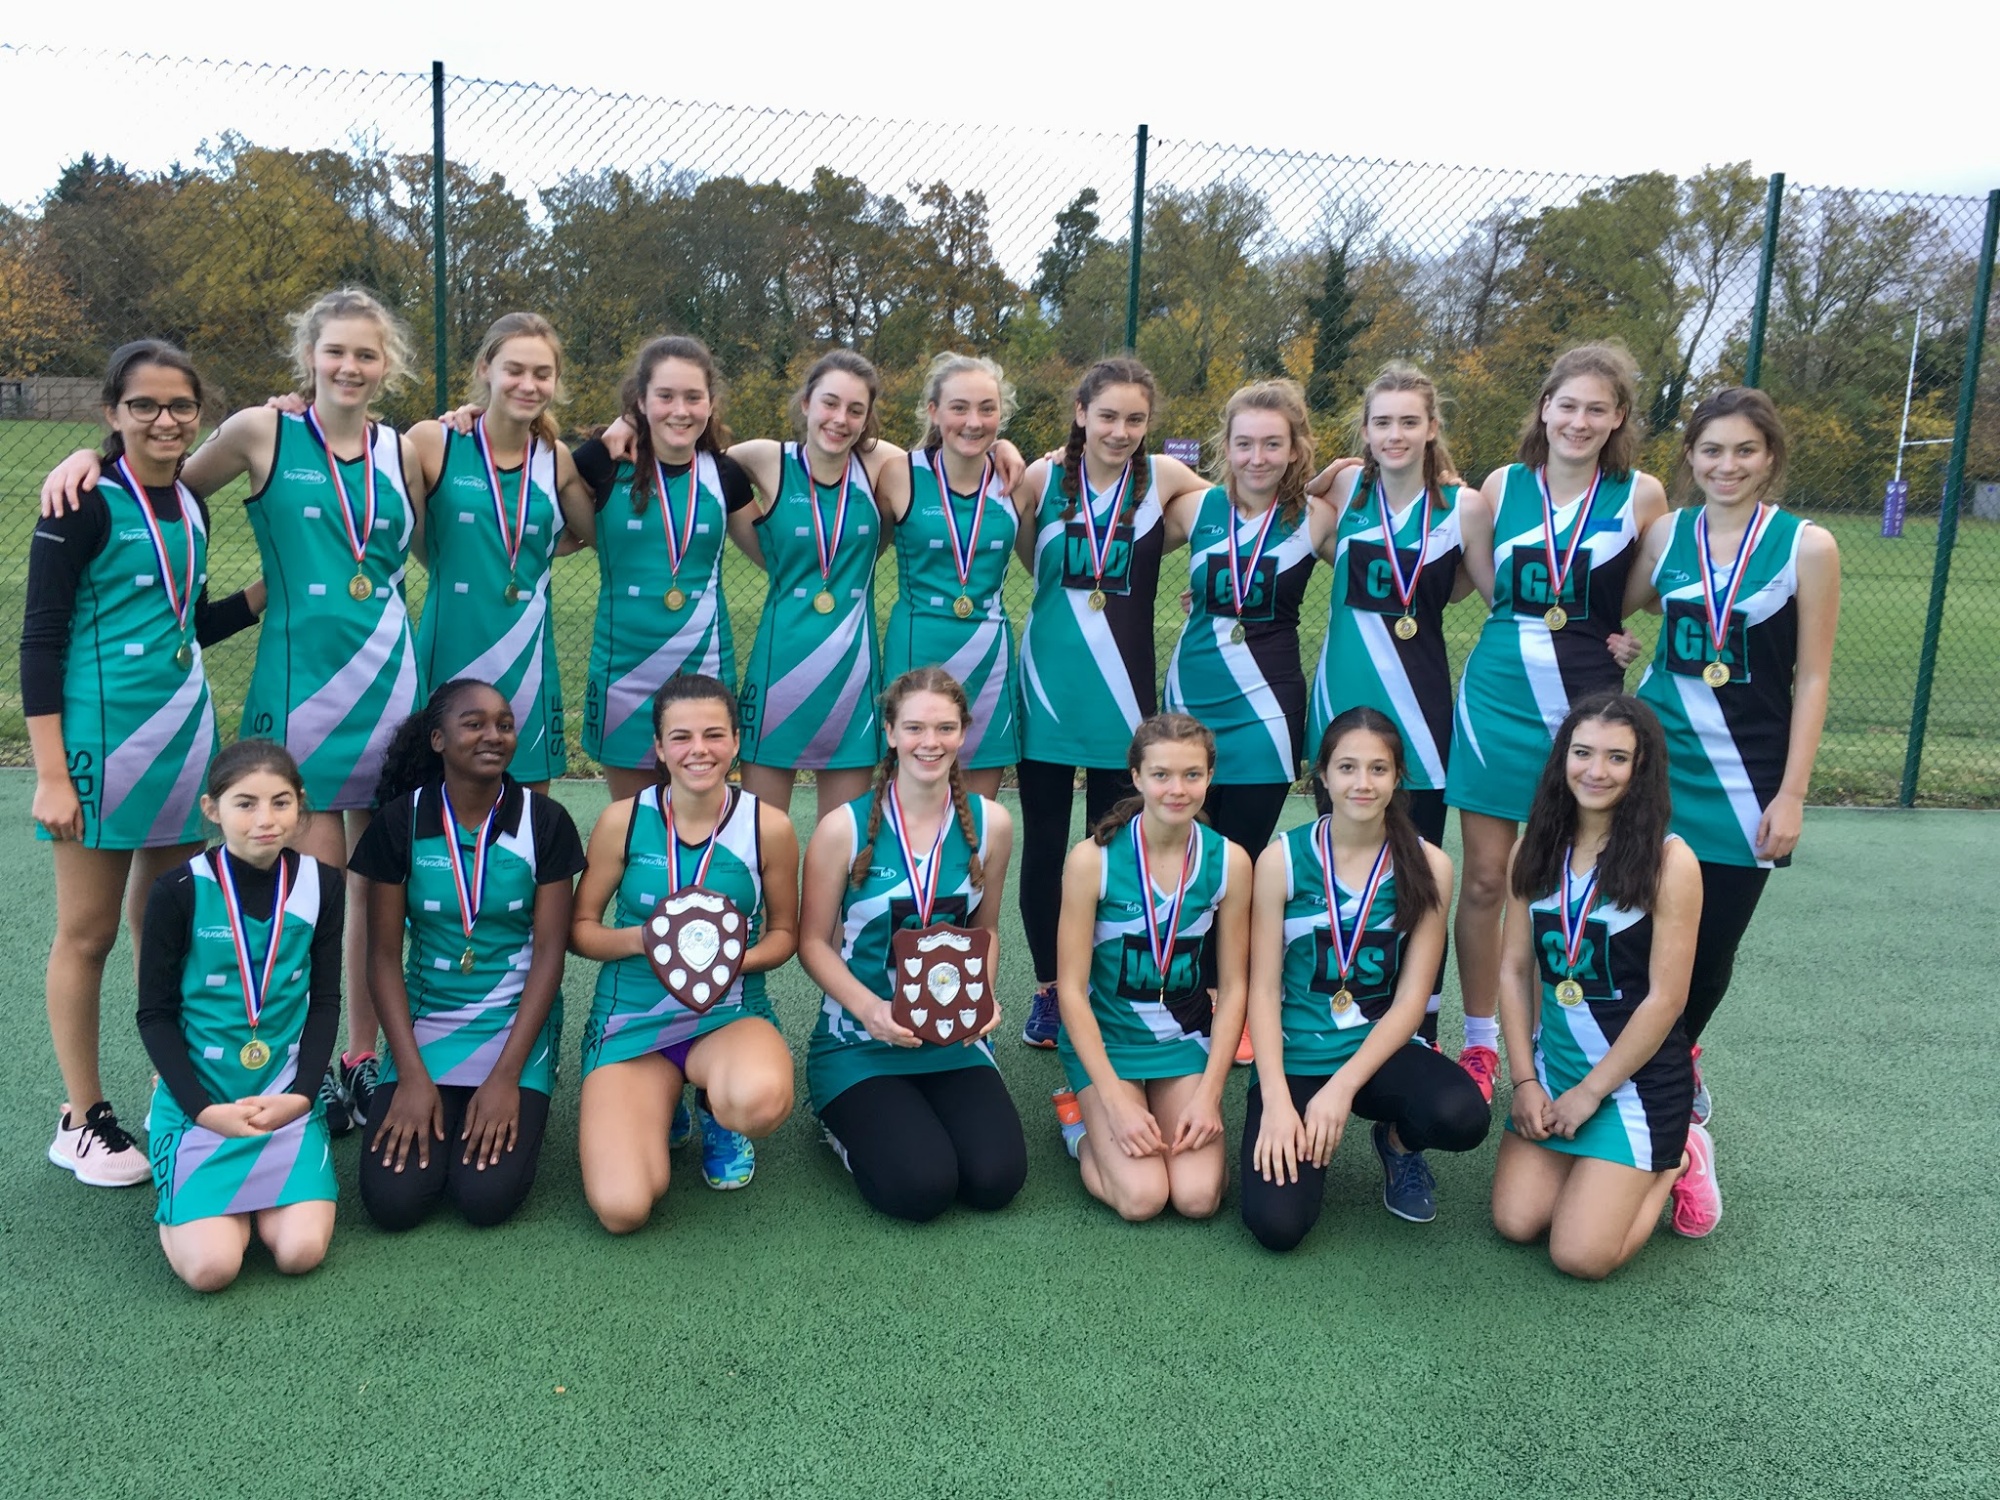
[1482, 1031]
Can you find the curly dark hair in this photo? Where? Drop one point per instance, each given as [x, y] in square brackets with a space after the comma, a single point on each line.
[410, 762]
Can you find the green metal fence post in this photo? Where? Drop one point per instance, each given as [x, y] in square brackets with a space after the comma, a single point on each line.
[1954, 481]
[440, 371]
[1753, 361]
[1138, 234]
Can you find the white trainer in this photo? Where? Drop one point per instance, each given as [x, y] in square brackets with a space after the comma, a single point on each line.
[99, 1151]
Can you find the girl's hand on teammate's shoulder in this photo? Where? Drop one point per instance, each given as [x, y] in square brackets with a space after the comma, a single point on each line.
[63, 489]
[617, 440]
[463, 419]
[291, 403]
[1624, 647]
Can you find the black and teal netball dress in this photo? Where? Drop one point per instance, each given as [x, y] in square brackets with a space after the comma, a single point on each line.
[841, 1052]
[951, 561]
[1236, 665]
[1594, 965]
[239, 968]
[1725, 696]
[631, 1013]
[1145, 959]
[808, 697]
[1384, 643]
[137, 722]
[1088, 658]
[1559, 573]
[1339, 978]
[660, 605]
[490, 535]
[336, 666]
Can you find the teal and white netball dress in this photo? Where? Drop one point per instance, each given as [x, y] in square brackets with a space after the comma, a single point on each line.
[1088, 659]
[1370, 655]
[233, 969]
[1236, 664]
[841, 1052]
[1526, 669]
[631, 1013]
[1145, 960]
[1729, 726]
[336, 667]
[1593, 962]
[117, 592]
[465, 986]
[951, 560]
[1338, 980]
[809, 691]
[490, 535]
[660, 606]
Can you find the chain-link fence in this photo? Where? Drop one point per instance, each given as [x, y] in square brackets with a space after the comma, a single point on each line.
[202, 202]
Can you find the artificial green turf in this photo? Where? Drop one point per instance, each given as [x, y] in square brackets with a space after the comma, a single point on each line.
[1836, 1337]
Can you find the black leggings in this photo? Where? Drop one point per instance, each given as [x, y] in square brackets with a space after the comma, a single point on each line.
[1729, 896]
[1245, 813]
[918, 1142]
[402, 1200]
[1048, 796]
[1432, 1102]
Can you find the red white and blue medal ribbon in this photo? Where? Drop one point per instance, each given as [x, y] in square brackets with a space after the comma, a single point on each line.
[1100, 552]
[1406, 588]
[1575, 913]
[923, 874]
[510, 539]
[1346, 949]
[256, 976]
[962, 554]
[1718, 619]
[180, 595]
[468, 883]
[826, 551]
[357, 537]
[1160, 936]
[1240, 577]
[677, 545]
[1559, 566]
[674, 882]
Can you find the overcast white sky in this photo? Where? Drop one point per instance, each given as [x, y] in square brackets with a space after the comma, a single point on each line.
[1614, 88]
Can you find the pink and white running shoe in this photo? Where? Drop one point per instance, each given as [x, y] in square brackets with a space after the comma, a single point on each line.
[1696, 1197]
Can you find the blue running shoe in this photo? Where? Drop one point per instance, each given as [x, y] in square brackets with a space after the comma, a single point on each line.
[728, 1160]
[1408, 1189]
[1044, 1019]
[681, 1131]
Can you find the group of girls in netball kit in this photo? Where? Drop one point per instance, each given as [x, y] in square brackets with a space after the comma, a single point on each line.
[1625, 839]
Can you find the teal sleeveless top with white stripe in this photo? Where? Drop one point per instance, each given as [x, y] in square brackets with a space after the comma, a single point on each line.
[1251, 693]
[841, 1052]
[469, 627]
[138, 728]
[1727, 745]
[638, 641]
[631, 1013]
[334, 676]
[1362, 660]
[463, 1021]
[925, 631]
[1135, 1003]
[1319, 1038]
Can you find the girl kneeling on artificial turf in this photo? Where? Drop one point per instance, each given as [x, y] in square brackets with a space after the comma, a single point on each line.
[480, 870]
[919, 1125]
[1141, 898]
[1347, 929]
[239, 999]
[1595, 956]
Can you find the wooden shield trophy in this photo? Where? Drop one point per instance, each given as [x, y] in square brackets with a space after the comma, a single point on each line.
[944, 982]
[695, 941]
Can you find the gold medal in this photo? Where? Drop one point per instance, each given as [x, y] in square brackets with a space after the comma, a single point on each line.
[1569, 992]
[676, 599]
[1715, 674]
[1556, 617]
[962, 607]
[254, 1055]
[465, 960]
[512, 593]
[184, 658]
[1236, 634]
[1097, 599]
[1406, 627]
[359, 589]
[1343, 1001]
[823, 602]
